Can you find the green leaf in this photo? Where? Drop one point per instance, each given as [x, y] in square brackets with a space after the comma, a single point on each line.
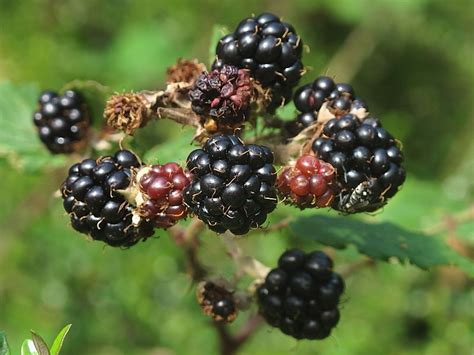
[58, 342]
[40, 344]
[28, 348]
[218, 31]
[19, 142]
[380, 241]
[4, 349]
[175, 149]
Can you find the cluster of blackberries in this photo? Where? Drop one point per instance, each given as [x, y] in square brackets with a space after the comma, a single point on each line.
[270, 49]
[367, 162]
[309, 98]
[301, 295]
[92, 199]
[307, 183]
[216, 301]
[223, 95]
[233, 184]
[62, 120]
[162, 191]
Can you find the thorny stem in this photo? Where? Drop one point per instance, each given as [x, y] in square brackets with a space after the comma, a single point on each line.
[188, 239]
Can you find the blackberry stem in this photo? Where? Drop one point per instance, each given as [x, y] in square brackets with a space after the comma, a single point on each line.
[188, 239]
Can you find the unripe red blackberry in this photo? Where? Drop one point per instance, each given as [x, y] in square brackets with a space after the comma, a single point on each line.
[222, 95]
[62, 121]
[307, 183]
[301, 296]
[161, 194]
[217, 301]
[269, 49]
[367, 160]
[233, 184]
[92, 198]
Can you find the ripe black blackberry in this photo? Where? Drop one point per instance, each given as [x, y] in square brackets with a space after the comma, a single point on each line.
[309, 98]
[270, 49]
[367, 160]
[301, 295]
[92, 199]
[223, 95]
[217, 301]
[233, 184]
[62, 121]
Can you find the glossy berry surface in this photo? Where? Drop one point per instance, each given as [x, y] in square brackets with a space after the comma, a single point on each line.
[367, 160]
[233, 184]
[62, 121]
[162, 189]
[301, 295]
[223, 94]
[340, 99]
[269, 49]
[307, 183]
[95, 207]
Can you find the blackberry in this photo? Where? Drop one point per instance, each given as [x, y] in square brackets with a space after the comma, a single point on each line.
[307, 183]
[91, 198]
[217, 301]
[233, 184]
[340, 99]
[223, 95]
[62, 121]
[301, 295]
[367, 160]
[161, 194]
[269, 49]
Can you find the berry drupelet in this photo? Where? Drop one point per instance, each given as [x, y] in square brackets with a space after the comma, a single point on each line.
[92, 199]
[233, 184]
[62, 121]
[269, 49]
[301, 295]
[367, 160]
[340, 99]
[307, 183]
[222, 95]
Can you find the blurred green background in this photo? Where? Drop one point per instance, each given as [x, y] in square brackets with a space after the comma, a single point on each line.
[412, 61]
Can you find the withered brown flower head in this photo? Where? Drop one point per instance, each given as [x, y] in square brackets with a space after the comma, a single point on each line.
[184, 71]
[127, 112]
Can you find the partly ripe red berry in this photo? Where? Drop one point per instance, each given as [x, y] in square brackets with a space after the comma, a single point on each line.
[299, 185]
[307, 184]
[162, 192]
[307, 164]
[158, 188]
[327, 171]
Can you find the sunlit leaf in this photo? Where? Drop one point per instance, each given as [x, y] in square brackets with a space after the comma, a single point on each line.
[58, 342]
[380, 241]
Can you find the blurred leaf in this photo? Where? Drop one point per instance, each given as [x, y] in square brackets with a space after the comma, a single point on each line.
[380, 241]
[96, 96]
[218, 31]
[40, 344]
[28, 348]
[19, 142]
[58, 342]
[174, 149]
[4, 349]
